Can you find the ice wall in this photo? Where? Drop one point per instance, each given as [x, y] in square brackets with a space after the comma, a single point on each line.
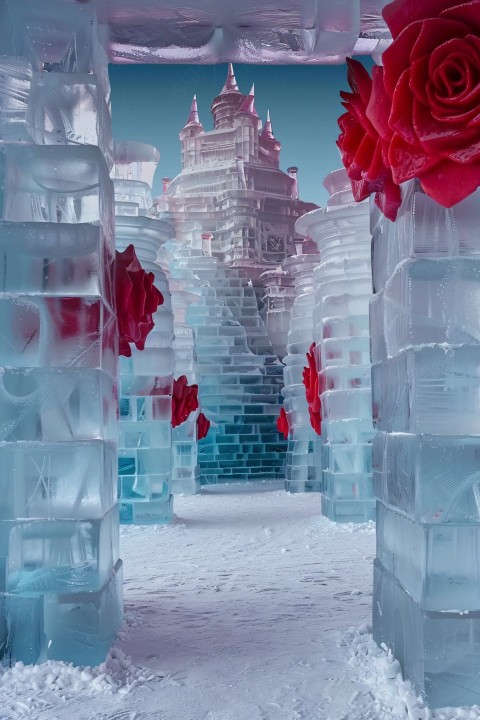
[145, 441]
[238, 389]
[304, 454]
[60, 576]
[425, 382]
[341, 332]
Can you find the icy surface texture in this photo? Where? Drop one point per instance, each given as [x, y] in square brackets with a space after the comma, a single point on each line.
[258, 31]
[144, 453]
[60, 575]
[304, 468]
[239, 389]
[426, 364]
[232, 200]
[343, 288]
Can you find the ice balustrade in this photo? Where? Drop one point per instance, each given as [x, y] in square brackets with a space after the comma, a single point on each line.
[239, 389]
[341, 333]
[145, 442]
[304, 453]
[60, 573]
[425, 380]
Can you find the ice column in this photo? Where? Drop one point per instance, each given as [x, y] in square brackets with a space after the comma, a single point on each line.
[343, 290]
[425, 324]
[60, 575]
[304, 455]
[185, 469]
[145, 443]
[278, 301]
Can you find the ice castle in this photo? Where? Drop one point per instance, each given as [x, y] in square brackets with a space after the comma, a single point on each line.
[231, 186]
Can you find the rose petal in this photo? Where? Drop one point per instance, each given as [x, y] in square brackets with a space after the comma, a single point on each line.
[407, 161]
[401, 13]
[449, 183]
[435, 136]
[468, 13]
[389, 199]
[401, 115]
[435, 32]
[378, 108]
[397, 57]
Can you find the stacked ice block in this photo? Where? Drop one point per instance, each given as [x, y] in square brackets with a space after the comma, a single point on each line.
[304, 454]
[60, 575]
[343, 290]
[277, 306]
[145, 448]
[425, 383]
[185, 469]
[238, 389]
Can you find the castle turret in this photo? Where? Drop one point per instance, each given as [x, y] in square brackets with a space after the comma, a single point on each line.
[193, 127]
[225, 105]
[247, 117]
[269, 146]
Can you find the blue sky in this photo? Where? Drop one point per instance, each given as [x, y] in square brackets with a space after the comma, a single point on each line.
[150, 103]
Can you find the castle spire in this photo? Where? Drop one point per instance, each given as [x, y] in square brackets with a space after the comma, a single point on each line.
[248, 105]
[230, 82]
[193, 118]
[267, 133]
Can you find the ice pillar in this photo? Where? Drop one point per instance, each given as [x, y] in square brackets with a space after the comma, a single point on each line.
[341, 332]
[145, 442]
[425, 325]
[60, 575]
[304, 454]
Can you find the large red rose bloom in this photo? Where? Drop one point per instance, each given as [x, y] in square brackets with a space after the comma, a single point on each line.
[362, 148]
[136, 298]
[310, 380]
[431, 78]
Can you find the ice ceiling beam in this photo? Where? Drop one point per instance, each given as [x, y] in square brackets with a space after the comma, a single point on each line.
[253, 31]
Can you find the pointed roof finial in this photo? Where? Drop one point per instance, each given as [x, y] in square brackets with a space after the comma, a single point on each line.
[193, 118]
[267, 133]
[248, 105]
[230, 82]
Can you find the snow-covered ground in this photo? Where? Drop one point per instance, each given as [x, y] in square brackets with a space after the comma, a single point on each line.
[249, 607]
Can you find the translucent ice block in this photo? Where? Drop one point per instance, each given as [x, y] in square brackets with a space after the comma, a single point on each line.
[438, 564]
[439, 651]
[435, 390]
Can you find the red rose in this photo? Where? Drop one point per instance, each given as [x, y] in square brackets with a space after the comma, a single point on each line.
[282, 424]
[203, 426]
[432, 86]
[363, 150]
[310, 380]
[184, 400]
[137, 299]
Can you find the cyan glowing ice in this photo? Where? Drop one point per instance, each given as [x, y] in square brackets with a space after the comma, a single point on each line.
[144, 453]
[341, 331]
[304, 454]
[60, 576]
[238, 388]
[425, 384]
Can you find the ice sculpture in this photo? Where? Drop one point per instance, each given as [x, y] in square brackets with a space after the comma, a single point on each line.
[304, 455]
[341, 332]
[61, 577]
[425, 380]
[277, 306]
[144, 453]
[287, 31]
[238, 388]
[231, 187]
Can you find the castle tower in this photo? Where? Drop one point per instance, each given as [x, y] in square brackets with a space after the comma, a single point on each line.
[225, 105]
[268, 146]
[247, 123]
[188, 136]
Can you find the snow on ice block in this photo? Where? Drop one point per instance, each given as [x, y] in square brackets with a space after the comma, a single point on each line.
[356, 511]
[54, 405]
[439, 651]
[70, 480]
[57, 556]
[433, 479]
[57, 259]
[78, 628]
[433, 390]
[438, 564]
